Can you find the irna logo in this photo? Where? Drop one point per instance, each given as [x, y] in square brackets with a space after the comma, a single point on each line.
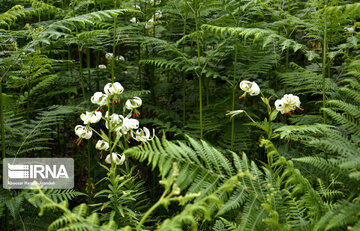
[33, 171]
[54, 173]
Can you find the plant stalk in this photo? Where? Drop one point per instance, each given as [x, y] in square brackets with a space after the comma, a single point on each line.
[324, 51]
[81, 73]
[233, 94]
[199, 63]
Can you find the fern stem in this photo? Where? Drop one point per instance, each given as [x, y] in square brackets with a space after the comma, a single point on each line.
[233, 94]
[184, 81]
[199, 63]
[324, 50]
[114, 47]
[2, 122]
[97, 70]
[147, 214]
[81, 73]
[88, 67]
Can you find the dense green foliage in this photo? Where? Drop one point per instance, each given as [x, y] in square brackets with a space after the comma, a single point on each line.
[224, 160]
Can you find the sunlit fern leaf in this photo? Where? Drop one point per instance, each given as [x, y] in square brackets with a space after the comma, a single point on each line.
[267, 36]
[342, 215]
[9, 17]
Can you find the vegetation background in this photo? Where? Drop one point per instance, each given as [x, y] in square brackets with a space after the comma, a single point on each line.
[185, 59]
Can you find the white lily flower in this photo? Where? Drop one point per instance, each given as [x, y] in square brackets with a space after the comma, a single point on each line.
[151, 20]
[109, 56]
[115, 120]
[137, 7]
[102, 145]
[250, 87]
[129, 124]
[158, 14]
[113, 88]
[120, 58]
[91, 117]
[99, 98]
[133, 20]
[287, 103]
[149, 26]
[133, 103]
[142, 135]
[102, 66]
[83, 132]
[349, 29]
[117, 158]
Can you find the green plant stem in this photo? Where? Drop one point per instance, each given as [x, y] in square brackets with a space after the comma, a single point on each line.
[114, 48]
[147, 214]
[97, 70]
[199, 63]
[324, 51]
[2, 122]
[88, 161]
[88, 67]
[81, 73]
[233, 94]
[184, 81]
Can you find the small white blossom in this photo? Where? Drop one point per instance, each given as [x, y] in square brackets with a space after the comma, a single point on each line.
[287, 103]
[120, 58]
[102, 145]
[109, 56]
[142, 135]
[129, 124]
[349, 29]
[91, 117]
[113, 88]
[250, 87]
[83, 132]
[115, 120]
[99, 98]
[102, 66]
[117, 158]
[133, 103]
[133, 20]
[137, 7]
[158, 14]
[149, 26]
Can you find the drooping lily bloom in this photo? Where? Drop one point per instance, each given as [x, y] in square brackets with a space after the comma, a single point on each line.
[158, 14]
[109, 56]
[117, 158]
[99, 98]
[250, 87]
[287, 103]
[129, 124]
[133, 103]
[120, 58]
[83, 132]
[113, 88]
[133, 20]
[349, 29]
[142, 135]
[102, 66]
[91, 117]
[102, 145]
[115, 120]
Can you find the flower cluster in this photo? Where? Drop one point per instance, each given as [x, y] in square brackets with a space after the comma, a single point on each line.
[287, 104]
[123, 126]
